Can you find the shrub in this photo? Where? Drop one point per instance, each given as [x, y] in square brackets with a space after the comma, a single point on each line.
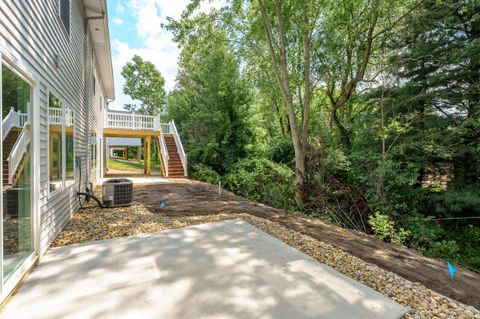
[446, 249]
[205, 173]
[264, 181]
[384, 228]
[382, 225]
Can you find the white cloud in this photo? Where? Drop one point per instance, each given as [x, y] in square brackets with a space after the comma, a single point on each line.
[117, 21]
[157, 45]
[120, 8]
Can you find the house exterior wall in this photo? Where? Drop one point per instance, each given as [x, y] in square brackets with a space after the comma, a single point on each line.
[32, 35]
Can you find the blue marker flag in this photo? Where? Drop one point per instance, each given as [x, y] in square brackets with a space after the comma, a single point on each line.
[162, 205]
[451, 269]
[243, 205]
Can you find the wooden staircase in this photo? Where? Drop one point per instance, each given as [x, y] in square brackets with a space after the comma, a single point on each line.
[8, 144]
[175, 167]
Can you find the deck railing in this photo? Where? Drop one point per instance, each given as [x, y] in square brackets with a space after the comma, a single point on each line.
[18, 150]
[55, 117]
[164, 152]
[13, 119]
[130, 121]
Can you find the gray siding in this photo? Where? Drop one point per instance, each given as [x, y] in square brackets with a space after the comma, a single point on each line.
[32, 33]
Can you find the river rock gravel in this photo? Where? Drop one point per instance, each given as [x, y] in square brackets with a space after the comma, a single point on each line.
[92, 224]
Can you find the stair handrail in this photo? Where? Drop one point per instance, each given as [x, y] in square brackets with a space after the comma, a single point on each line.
[18, 149]
[164, 152]
[13, 119]
[178, 142]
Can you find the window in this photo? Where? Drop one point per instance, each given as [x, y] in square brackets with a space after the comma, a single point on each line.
[70, 144]
[62, 143]
[64, 13]
[55, 119]
[16, 94]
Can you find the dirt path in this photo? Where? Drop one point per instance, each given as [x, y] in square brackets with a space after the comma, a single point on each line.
[187, 198]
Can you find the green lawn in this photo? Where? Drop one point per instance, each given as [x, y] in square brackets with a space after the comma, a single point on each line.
[128, 165]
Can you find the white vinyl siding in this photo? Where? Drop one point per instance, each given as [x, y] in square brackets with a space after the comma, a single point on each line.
[31, 33]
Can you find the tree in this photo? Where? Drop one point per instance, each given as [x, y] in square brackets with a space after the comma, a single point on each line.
[275, 31]
[144, 83]
[440, 67]
[210, 101]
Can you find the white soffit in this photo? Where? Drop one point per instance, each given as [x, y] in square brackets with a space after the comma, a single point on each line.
[101, 41]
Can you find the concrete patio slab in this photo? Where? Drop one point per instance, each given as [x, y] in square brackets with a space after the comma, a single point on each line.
[225, 270]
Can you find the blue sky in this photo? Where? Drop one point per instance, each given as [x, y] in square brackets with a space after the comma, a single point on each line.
[135, 28]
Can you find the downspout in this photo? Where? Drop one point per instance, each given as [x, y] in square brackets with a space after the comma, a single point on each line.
[86, 69]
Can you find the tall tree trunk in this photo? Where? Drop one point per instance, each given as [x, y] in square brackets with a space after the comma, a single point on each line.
[282, 76]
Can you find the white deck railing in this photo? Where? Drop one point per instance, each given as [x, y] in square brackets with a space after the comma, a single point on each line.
[55, 116]
[181, 151]
[13, 119]
[164, 152]
[18, 150]
[130, 121]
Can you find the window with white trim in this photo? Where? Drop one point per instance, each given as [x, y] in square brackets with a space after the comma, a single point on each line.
[61, 122]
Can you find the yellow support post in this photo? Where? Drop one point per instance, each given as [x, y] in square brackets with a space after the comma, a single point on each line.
[59, 157]
[146, 155]
[51, 155]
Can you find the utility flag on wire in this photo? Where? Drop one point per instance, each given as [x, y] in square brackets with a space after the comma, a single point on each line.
[451, 269]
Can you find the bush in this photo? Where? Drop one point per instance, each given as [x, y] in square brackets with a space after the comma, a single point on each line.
[204, 173]
[282, 151]
[446, 249]
[384, 228]
[264, 181]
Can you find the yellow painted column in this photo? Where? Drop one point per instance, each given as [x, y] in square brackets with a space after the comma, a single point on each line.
[146, 155]
[51, 155]
[59, 157]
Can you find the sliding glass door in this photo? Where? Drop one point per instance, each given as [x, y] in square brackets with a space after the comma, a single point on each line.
[17, 220]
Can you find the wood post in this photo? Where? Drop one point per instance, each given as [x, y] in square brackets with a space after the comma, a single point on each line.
[139, 153]
[146, 155]
[126, 153]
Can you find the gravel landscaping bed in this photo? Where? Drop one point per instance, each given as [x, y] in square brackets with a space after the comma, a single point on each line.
[98, 224]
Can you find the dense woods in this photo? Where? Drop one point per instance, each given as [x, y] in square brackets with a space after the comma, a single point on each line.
[365, 114]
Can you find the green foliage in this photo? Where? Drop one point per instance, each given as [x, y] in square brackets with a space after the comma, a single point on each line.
[445, 249]
[281, 151]
[204, 173]
[384, 228]
[15, 92]
[424, 229]
[211, 100]
[394, 124]
[144, 83]
[263, 181]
